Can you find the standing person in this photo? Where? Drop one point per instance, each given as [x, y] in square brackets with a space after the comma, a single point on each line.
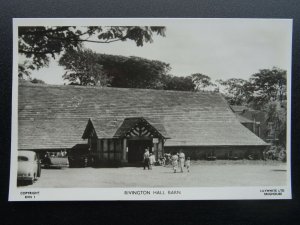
[146, 159]
[181, 160]
[174, 159]
[46, 161]
[188, 164]
[151, 160]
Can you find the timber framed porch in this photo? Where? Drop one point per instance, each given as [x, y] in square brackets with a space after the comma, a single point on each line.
[127, 145]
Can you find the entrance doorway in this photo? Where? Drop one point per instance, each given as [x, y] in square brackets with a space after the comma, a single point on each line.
[136, 149]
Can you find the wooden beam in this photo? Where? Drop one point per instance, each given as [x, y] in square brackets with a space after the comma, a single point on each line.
[124, 159]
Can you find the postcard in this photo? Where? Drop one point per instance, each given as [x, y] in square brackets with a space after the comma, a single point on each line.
[151, 109]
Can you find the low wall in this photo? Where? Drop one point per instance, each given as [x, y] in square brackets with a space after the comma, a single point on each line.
[221, 152]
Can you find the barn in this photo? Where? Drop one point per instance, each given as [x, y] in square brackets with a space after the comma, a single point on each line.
[119, 123]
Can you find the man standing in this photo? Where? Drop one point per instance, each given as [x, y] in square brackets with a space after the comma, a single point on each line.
[181, 160]
[146, 159]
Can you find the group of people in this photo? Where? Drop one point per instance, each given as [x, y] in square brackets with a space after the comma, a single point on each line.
[178, 162]
[177, 159]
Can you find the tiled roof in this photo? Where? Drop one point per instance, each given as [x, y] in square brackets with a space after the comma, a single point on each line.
[52, 116]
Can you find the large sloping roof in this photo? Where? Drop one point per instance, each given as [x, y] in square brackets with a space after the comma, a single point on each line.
[52, 116]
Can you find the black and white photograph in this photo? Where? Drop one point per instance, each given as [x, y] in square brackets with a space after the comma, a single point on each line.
[151, 109]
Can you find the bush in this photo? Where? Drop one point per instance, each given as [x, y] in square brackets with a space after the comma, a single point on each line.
[276, 153]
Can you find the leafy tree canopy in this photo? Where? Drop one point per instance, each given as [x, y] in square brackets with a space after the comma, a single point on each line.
[170, 82]
[40, 43]
[262, 87]
[236, 90]
[201, 81]
[268, 85]
[85, 67]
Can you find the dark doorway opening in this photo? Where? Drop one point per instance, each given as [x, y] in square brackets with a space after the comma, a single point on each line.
[136, 149]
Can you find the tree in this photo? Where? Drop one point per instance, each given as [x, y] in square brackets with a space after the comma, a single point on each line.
[40, 43]
[236, 91]
[276, 114]
[201, 81]
[268, 85]
[136, 72]
[85, 67]
[262, 87]
[24, 69]
[170, 82]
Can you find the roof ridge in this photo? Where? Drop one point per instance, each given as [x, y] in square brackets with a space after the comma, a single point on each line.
[113, 88]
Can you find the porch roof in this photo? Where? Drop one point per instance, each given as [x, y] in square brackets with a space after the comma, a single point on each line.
[114, 129]
[130, 123]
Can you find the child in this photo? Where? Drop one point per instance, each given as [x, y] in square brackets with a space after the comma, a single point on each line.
[188, 164]
[162, 161]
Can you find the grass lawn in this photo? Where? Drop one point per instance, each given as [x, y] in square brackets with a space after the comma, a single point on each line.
[220, 173]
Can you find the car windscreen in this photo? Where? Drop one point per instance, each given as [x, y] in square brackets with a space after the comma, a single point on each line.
[22, 158]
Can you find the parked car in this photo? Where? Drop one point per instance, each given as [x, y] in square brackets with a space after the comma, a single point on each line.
[29, 166]
[54, 160]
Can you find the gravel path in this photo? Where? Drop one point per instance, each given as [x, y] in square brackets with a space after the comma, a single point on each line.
[203, 174]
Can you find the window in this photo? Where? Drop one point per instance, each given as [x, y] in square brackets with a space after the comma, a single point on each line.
[22, 158]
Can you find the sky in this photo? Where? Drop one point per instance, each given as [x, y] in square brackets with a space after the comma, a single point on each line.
[219, 48]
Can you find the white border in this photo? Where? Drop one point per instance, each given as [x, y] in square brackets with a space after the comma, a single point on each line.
[195, 193]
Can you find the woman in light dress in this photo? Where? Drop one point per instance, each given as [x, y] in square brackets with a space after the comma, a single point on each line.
[151, 160]
[174, 159]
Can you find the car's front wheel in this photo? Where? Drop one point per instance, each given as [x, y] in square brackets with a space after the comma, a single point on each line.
[32, 180]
